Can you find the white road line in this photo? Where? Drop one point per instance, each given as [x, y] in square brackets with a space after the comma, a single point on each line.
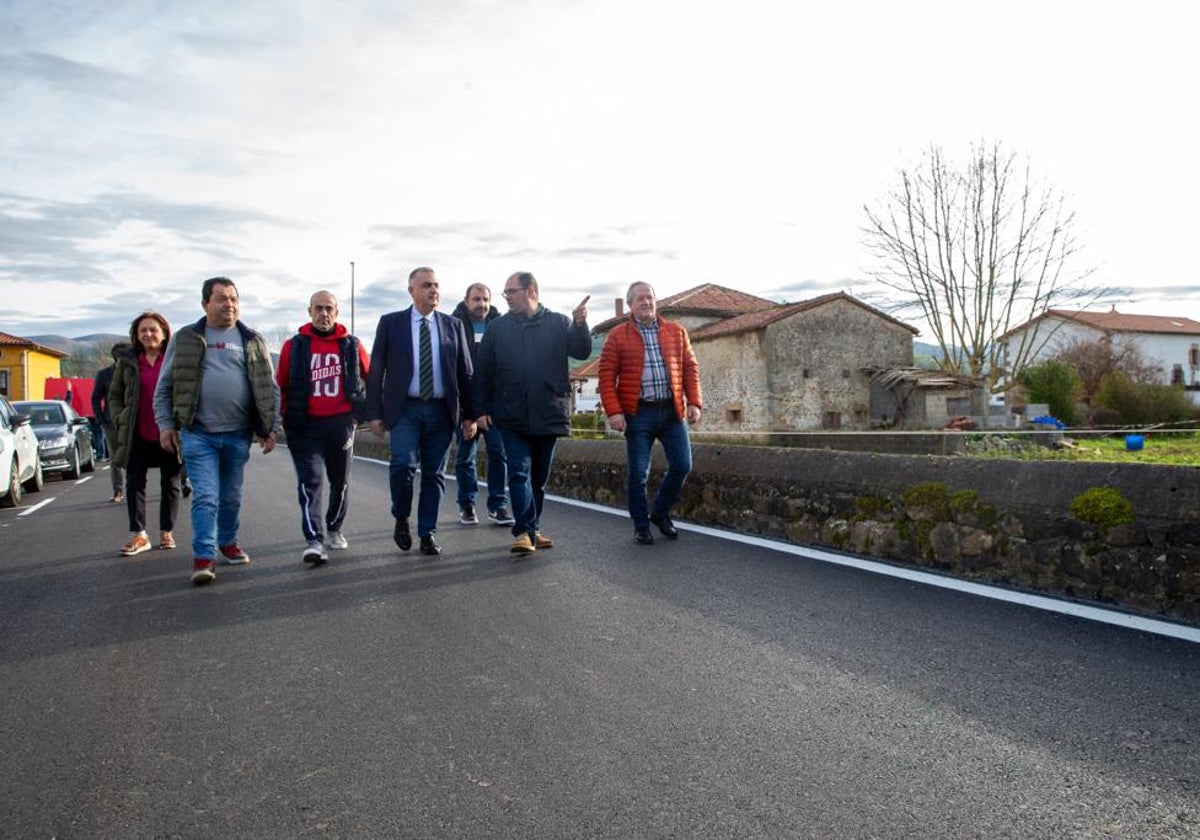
[37, 507]
[995, 593]
[1039, 602]
[84, 480]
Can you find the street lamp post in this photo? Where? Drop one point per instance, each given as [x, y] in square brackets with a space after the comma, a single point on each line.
[352, 297]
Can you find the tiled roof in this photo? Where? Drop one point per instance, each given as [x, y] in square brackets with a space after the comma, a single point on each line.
[753, 321]
[15, 341]
[1114, 321]
[707, 299]
[587, 370]
[720, 298]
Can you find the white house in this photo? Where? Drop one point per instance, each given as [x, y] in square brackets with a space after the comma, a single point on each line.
[1172, 344]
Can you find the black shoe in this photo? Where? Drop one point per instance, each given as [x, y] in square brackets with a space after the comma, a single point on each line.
[429, 546]
[666, 526]
[643, 536]
[401, 536]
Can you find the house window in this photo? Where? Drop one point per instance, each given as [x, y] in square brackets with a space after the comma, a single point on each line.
[4, 382]
[831, 420]
[1177, 374]
[1194, 356]
[806, 373]
[733, 415]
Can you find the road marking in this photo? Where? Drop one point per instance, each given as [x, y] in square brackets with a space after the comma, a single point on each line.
[83, 480]
[38, 506]
[995, 593]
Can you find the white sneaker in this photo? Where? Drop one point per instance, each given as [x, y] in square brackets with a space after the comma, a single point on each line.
[466, 515]
[337, 540]
[315, 553]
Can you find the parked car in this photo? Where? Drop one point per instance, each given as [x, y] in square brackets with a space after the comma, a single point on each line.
[20, 463]
[64, 437]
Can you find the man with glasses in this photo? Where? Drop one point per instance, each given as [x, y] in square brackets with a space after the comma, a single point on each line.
[521, 386]
[419, 389]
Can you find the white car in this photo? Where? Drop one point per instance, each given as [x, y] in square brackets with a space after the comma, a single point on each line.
[20, 464]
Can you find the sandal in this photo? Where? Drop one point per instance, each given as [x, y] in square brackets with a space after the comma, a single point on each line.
[167, 540]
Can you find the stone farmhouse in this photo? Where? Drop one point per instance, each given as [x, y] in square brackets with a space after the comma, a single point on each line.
[1170, 343]
[831, 362]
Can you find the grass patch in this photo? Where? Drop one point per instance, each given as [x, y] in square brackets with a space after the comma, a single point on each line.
[1178, 449]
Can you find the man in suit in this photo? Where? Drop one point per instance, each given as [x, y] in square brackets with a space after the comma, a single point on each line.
[419, 389]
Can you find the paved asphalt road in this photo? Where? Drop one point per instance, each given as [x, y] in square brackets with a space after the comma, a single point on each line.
[698, 689]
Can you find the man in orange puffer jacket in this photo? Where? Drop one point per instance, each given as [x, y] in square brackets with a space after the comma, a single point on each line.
[649, 385]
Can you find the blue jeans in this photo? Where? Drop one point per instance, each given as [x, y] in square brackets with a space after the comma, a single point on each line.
[467, 475]
[421, 437]
[641, 430]
[216, 462]
[528, 459]
[98, 441]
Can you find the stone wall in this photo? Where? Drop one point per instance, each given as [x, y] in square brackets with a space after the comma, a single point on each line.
[815, 360]
[796, 373]
[733, 380]
[1003, 522]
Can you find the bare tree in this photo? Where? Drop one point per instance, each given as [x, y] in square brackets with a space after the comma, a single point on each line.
[1093, 360]
[976, 249]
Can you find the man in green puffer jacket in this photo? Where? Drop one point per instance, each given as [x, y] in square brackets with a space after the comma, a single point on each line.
[215, 394]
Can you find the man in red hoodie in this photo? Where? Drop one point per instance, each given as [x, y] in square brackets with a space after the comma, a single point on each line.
[322, 375]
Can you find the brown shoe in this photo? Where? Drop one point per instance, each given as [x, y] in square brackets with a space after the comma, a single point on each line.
[542, 542]
[522, 545]
[166, 540]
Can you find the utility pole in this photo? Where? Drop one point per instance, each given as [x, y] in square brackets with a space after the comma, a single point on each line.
[352, 297]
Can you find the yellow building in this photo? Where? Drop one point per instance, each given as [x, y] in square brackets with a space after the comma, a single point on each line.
[25, 367]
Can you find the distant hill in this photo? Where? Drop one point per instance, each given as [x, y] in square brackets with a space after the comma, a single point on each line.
[84, 345]
[85, 354]
[925, 355]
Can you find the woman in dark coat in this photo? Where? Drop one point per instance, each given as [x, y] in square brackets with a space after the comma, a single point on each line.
[136, 447]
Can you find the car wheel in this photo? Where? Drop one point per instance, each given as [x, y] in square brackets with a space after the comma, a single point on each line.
[72, 470]
[13, 497]
[90, 464]
[38, 481]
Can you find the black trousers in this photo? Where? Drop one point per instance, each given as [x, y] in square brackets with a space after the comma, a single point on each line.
[143, 455]
[322, 447]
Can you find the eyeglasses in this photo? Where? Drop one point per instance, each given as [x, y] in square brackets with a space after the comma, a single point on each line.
[511, 292]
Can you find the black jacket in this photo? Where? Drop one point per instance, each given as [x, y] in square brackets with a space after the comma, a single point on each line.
[100, 394]
[522, 379]
[463, 314]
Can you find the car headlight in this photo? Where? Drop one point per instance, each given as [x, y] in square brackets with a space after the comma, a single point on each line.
[57, 442]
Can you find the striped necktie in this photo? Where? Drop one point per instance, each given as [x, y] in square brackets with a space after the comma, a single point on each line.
[426, 361]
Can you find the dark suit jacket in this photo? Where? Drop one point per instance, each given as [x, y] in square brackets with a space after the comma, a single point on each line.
[392, 367]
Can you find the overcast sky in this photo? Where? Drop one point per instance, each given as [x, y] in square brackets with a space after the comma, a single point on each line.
[149, 145]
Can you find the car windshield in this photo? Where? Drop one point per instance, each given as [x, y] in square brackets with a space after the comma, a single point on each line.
[46, 415]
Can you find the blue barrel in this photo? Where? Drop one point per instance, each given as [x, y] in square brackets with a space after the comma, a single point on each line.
[1134, 443]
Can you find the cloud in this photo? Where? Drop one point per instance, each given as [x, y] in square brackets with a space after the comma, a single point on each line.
[74, 239]
[65, 75]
